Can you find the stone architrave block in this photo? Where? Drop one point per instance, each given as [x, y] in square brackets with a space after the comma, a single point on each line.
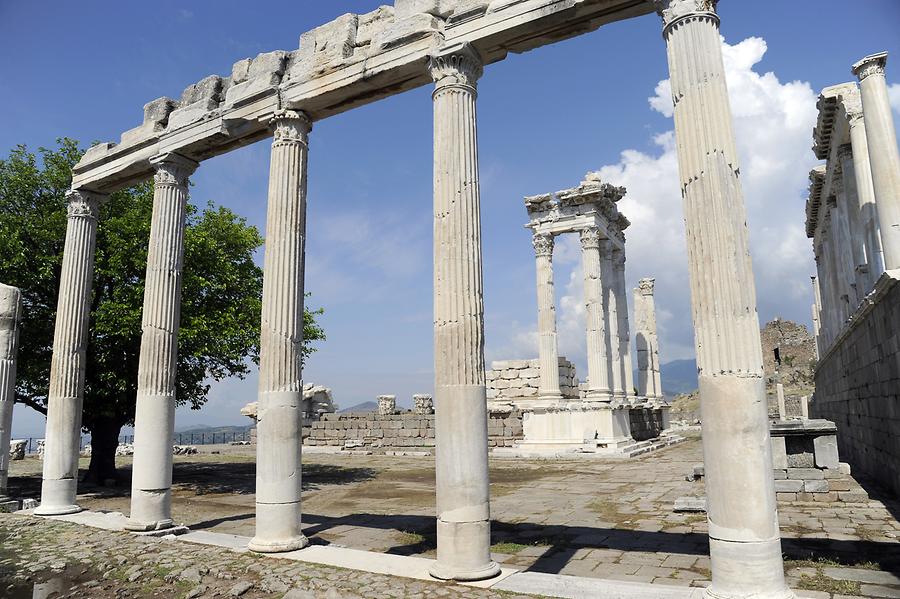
[263, 75]
[197, 101]
[404, 31]
[324, 48]
[826, 451]
[156, 118]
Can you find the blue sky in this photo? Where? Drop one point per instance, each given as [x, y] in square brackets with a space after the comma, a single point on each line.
[547, 117]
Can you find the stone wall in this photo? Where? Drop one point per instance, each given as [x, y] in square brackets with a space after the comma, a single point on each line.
[858, 385]
[646, 423]
[520, 379]
[408, 431]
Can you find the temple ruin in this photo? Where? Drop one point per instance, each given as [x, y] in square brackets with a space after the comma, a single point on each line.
[853, 219]
[358, 59]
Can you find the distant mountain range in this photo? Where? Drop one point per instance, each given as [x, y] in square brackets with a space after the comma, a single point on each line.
[366, 406]
[679, 376]
[205, 429]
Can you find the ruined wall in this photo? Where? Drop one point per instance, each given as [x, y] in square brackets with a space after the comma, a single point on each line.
[520, 379]
[858, 385]
[408, 431]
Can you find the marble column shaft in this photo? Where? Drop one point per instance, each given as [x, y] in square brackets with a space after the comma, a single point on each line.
[856, 224]
[548, 350]
[817, 313]
[745, 545]
[279, 420]
[10, 316]
[154, 422]
[646, 341]
[611, 316]
[461, 460]
[624, 329]
[865, 192]
[884, 155]
[70, 340]
[597, 356]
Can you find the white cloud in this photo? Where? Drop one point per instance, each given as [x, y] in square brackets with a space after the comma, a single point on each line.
[772, 123]
[894, 95]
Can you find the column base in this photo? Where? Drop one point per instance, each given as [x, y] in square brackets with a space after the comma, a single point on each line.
[137, 526]
[57, 497]
[442, 572]
[710, 593]
[747, 570]
[57, 510]
[277, 546]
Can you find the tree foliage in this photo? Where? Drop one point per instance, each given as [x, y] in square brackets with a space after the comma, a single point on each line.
[221, 294]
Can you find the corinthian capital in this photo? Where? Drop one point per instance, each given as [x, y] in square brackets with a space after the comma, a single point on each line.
[173, 169]
[672, 11]
[543, 244]
[84, 204]
[291, 126]
[872, 64]
[645, 286]
[459, 64]
[590, 238]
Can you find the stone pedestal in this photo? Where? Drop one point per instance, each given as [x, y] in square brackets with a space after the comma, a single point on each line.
[279, 411]
[154, 421]
[884, 156]
[70, 339]
[549, 391]
[587, 428]
[745, 547]
[461, 464]
[10, 315]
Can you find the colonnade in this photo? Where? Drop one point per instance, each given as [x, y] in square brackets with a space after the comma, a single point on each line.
[853, 212]
[607, 332]
[744, 540]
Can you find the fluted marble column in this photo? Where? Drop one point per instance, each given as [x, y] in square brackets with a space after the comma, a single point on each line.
[817, 312]
[279, 420]
[884, 155]
[646, 340]
[548, 350]
[461, 464]
[865, 195]
[10, 315]
[70, 339]
[154, 421]
[624, 330]
[611, 321]
[844, 242]
[597, 356]
[858, 238]
[745, 546]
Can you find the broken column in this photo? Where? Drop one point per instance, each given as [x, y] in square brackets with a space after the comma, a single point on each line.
[279, 411]
[154, 420]
[461, 461]
[70, 339]
[548, 350]
[884, 156]
[597, 356]
[745, 545]
[10, 315]
[646, 341]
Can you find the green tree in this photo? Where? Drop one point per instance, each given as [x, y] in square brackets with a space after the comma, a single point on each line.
[221, 295]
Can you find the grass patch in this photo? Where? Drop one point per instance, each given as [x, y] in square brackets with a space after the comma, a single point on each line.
[508, 548]
[411, 538]
[829, 585]
[609, 512]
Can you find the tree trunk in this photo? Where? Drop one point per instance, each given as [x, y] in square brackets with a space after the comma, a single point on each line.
[104, 440]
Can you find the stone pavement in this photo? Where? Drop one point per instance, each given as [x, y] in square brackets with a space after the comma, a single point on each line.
[609, 519]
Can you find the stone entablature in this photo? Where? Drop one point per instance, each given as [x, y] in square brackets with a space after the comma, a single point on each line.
[516, 382]
[352, 61]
